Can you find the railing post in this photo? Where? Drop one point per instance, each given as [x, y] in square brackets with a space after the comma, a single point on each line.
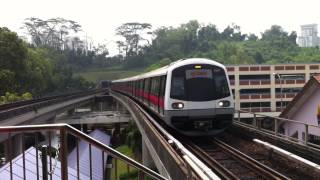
[128, 168]
[254, 120]
[141, 175]
[306, 134]
[116, 169]
[44, 161]
[63, 153]
[276, 126]
[238, 116]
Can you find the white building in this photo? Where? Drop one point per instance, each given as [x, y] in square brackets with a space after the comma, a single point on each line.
[304, 108]
[309, 36]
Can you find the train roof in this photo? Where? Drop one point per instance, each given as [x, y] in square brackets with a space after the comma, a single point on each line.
[163, 70]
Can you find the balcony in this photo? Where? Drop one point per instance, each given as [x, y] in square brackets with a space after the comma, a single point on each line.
[255, 82]
[290, 81]
[255, 96]
[254, 68]
[257, 109]
[285, 95]
[289, 68]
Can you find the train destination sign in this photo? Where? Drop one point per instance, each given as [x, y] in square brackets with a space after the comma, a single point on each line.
[199, 73]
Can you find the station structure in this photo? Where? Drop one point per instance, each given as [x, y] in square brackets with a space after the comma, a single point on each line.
[267, 89]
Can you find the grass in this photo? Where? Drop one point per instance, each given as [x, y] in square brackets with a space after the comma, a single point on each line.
[95, 76]
[121, 166]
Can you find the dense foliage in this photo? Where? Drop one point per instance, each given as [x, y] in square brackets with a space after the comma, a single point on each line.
[229, 46]
[12, 97]
[139, 48]
[37, 70]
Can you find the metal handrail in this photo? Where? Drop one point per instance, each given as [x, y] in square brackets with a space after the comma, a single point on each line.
[277, 121]
[64, 129]
[279, 118]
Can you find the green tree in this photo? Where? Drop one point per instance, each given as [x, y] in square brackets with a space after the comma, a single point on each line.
[13, 53]
[133, 33]
[52, 32]
[39, 72]
[7, 81]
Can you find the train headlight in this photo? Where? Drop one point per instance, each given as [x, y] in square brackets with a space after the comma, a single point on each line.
[177, 105]
[224, 103]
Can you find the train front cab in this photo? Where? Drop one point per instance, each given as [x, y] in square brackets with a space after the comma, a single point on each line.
[199, 100]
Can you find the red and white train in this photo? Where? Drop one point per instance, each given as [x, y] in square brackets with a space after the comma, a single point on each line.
[191, 95]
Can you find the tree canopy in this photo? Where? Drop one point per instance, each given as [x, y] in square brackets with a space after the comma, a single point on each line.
[24, 68]
[228, 46]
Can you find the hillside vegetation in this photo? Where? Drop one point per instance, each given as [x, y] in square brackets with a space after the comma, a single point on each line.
[54, 61]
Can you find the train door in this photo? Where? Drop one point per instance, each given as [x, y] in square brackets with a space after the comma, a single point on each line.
[154, 93]
[141, 89]
[162, 94]
[147, 90]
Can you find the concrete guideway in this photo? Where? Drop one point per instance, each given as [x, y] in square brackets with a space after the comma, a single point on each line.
[169, 156]
[43, 114]
[105, 117]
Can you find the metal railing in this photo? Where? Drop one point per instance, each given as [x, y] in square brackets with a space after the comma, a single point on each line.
[63, 132]
[273, 126]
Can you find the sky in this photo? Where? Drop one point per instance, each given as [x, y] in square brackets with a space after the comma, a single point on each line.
[100, 18]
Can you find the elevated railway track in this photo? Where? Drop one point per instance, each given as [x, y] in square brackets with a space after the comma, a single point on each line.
[227, 161]
[42, 109]
[193, 158]
[231, 163]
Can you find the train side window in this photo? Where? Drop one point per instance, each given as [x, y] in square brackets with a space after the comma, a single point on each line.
[142, 84]
[146, 89]
[141, 87]
[147, 85]
[151, 85]
[155, 86]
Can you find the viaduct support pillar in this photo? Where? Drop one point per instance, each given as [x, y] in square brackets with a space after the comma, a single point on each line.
[13, 146]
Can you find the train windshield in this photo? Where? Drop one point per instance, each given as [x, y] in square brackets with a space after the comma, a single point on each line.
[199, 83]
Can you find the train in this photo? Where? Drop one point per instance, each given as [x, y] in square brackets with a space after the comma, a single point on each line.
[103, 84]
[193, 96]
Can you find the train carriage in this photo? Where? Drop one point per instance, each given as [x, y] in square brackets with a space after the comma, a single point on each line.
[192, 96]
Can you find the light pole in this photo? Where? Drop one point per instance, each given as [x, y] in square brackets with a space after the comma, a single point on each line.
[279, 77]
